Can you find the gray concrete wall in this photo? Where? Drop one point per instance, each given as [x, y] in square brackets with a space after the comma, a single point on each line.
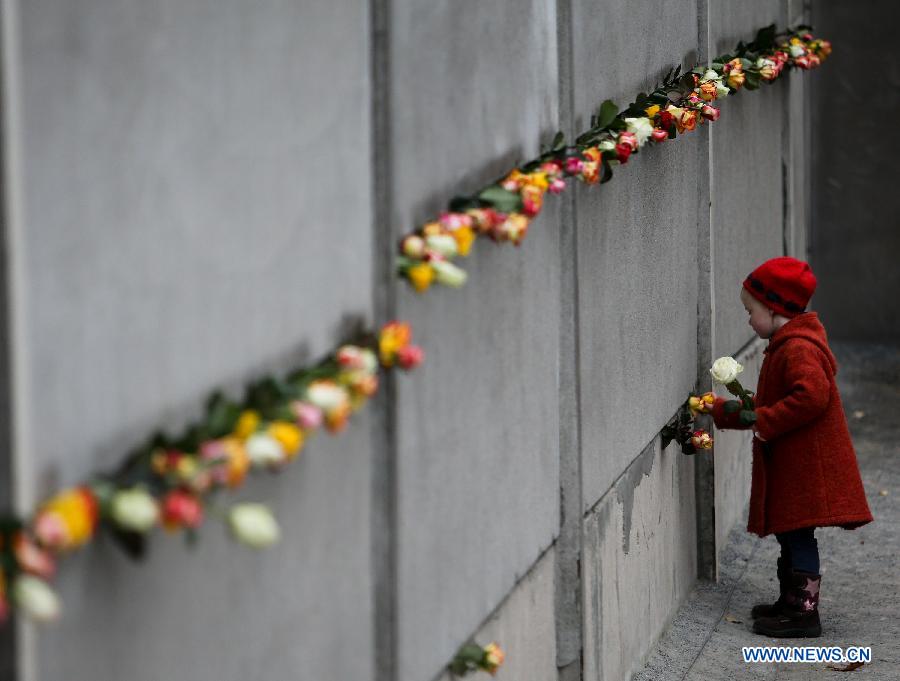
[189, 222]
[201, 193]
[477, 425]
[640, 558]
[855, 202]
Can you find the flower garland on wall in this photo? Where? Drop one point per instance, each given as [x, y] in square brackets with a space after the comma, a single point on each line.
[172, 482]
[503, 211]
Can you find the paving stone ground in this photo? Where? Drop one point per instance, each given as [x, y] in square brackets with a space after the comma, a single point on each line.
[860, 592]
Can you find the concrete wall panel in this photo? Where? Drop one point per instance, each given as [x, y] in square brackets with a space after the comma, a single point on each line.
[474, 91]
[523, 625]
[637, 244]
[639, 560]
[182, 192]
[747, 190]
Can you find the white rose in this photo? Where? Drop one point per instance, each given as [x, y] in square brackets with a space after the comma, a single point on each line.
[443, 244]
[725, 370]
[326, 395]
[606, 145]
[253, 525]
[134, 509]
[449, 274]
[263, 449]
[641, 127]
[721, 89]
[710, 75]
[797, 51]
[370, 361]
[36, 599]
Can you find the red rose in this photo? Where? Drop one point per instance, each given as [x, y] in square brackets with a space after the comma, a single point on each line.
[623, 151]
[181, 508]
[665, 120]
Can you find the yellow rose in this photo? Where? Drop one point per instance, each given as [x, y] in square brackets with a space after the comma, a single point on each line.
[464, 237]
[76, 510]
[247, 424]
[432, 229]
[651, 111]
[537, 179]
[421, 276]
[288, 435]
[493, 658]
[238, 461]
[186, 467]
[707, 91]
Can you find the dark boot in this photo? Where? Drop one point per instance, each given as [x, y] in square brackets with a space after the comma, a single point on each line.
[799, 617]
[784, 580]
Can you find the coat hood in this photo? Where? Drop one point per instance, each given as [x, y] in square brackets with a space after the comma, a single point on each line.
[805, 325]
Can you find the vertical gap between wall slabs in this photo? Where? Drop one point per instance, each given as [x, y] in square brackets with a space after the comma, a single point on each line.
[384, 424]
[787, 169]
[8, 648]
[569, 624]
[704, 464]
[23, 644]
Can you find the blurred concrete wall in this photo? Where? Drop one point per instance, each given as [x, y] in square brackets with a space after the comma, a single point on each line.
[198, 192]
[856, 228]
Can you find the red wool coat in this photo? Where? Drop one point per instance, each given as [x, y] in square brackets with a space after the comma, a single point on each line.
[805, 474]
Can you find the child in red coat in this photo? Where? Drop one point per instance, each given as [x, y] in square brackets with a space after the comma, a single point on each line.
[805, 474]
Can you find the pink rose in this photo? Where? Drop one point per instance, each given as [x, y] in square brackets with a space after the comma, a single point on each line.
[309, 416]
[630, 139]
[574, 165]
[710, 113]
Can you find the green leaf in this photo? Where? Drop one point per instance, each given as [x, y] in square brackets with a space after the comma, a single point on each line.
[559, 141]
[731, 406]
[607, 113]
[606, 172]
[460, 204]
[765, 37]
[501, 199]
[747, 417]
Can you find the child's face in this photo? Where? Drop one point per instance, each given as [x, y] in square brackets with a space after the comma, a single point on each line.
[762, 319]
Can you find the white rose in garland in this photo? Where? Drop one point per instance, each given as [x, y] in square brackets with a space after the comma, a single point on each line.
[254, 525]
[134, 509]
[641, 127]
[264, 450]
[725, 370]
[35, 597]
[448, 274]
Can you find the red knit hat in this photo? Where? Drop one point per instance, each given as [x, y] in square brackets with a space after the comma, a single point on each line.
[783, 284]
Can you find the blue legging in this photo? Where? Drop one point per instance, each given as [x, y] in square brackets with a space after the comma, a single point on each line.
[800, 548]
